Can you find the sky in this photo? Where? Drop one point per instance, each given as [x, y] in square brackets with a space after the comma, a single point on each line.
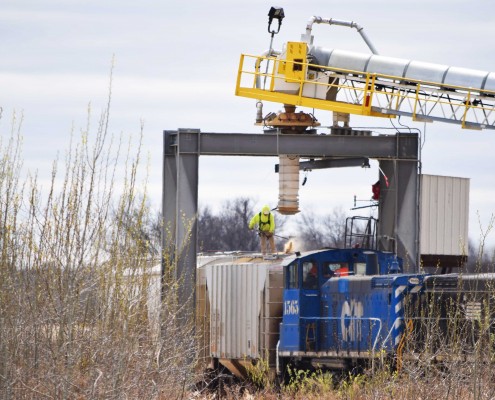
[175, 65]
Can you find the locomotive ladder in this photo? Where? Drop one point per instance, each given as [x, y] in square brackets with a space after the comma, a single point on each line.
[362, 93]
[270, 319]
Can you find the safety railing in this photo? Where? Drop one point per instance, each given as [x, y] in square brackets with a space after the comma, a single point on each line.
[357, 329]
[362, 93]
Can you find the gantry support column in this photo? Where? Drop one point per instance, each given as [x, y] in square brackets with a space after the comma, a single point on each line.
[398, 227]
[179, 210]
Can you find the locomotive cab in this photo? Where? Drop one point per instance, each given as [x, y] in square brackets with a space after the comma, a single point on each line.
[304, 277]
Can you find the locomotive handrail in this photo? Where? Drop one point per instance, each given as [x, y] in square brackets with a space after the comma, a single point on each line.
[387, 338]
[354, 318]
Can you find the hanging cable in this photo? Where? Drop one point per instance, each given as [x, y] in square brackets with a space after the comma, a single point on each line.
[305, 179]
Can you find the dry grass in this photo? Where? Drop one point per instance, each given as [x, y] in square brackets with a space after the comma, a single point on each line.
[75, 271]
[439, 384]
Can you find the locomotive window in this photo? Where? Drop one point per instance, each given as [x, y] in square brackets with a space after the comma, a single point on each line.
[338, 269]
[334, 266]
[292, 281]
[328, 271]
[310, 275]
[360, 268]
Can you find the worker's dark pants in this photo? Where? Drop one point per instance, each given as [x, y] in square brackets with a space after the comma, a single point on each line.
[267, 236]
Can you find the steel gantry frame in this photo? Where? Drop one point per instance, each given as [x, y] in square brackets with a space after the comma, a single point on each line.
[398, 228]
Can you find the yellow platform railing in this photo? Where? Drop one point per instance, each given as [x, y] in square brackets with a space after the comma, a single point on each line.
[356, 92]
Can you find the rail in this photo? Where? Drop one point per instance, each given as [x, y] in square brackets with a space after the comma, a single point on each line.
[370, 94]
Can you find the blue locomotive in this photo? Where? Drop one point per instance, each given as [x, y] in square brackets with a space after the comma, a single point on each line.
[344, 307]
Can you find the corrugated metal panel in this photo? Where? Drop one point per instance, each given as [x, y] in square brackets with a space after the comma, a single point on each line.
[444, 215]
[228, 314]
[235, 294]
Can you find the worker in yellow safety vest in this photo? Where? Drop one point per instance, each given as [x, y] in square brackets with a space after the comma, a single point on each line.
[266, 228]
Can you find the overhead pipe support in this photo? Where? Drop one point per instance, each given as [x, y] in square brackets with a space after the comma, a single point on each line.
[332, 21]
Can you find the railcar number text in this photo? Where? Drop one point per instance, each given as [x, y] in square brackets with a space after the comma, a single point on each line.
[291, 307]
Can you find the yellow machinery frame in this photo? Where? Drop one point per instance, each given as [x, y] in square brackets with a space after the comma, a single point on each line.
[367, 94]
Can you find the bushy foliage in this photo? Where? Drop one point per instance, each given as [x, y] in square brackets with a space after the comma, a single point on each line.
[76, 265]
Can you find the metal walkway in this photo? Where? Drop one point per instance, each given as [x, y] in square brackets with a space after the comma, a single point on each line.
[298, 82]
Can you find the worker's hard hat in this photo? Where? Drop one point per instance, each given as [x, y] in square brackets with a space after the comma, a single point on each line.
[266, 210]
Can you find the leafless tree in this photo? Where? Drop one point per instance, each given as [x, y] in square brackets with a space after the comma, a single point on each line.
[322, 231]
[481, 258]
